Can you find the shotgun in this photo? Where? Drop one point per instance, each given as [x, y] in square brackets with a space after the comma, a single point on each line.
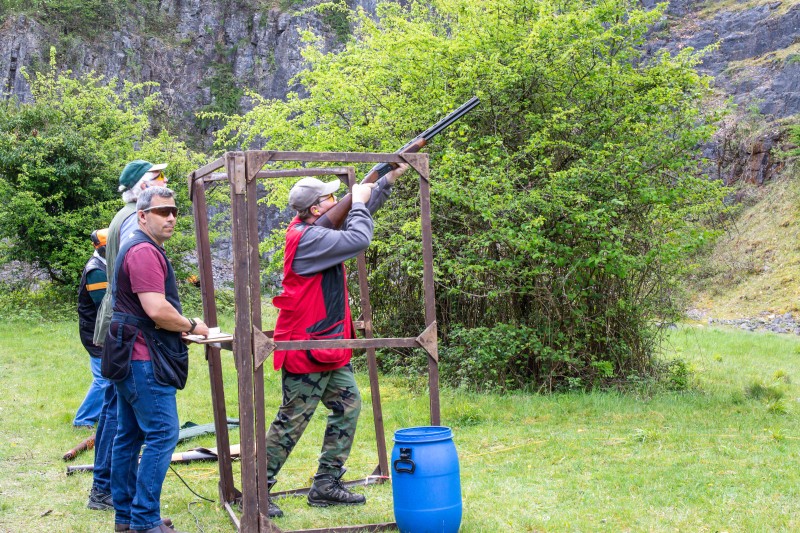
[335, 216]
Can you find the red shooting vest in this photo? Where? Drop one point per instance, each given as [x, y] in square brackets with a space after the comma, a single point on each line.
[312, 307]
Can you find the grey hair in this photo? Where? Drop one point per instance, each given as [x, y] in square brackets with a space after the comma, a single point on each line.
[132, 194]
[147, 195]
[305, 213]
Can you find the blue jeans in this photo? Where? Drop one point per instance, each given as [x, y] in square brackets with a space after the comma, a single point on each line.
[89, 411]
[147, 414]
[104, 441]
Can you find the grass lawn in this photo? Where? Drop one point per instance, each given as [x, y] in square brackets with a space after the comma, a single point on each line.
[721, 457]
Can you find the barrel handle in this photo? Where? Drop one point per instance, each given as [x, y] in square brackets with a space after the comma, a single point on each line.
[405, 457]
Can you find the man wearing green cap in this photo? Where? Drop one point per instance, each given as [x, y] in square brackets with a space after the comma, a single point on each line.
[137, 176]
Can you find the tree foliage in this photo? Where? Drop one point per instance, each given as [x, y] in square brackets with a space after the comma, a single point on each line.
[60, 160]
[565, 207]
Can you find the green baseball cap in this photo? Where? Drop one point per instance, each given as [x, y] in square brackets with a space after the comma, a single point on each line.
[132, 173]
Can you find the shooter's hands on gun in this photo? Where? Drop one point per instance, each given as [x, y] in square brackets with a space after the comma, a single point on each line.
[362, 192]
[396, 173]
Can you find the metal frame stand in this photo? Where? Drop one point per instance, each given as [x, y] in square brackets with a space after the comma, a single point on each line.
[252, 346]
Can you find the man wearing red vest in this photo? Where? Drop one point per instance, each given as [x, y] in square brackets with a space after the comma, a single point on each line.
[314, 306]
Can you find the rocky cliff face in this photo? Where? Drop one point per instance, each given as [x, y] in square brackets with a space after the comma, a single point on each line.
[244, 45]
[757, 60]
[258, 49]
[758, 55]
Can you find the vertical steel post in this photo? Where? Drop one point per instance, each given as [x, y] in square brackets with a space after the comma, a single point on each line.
[254, 281]
[243, 339]
[227, 491]
[372, 363]
[428, 285]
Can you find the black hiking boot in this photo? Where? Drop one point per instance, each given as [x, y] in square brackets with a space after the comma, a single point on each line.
[328, 490]
[274, 511]
[99, 501]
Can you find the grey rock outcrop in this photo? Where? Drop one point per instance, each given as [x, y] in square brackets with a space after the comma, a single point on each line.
[20, 46]
[261, 49]
[755, 61]
[754, 57]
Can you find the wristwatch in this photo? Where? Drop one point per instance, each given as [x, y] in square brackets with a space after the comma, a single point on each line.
[193, 324]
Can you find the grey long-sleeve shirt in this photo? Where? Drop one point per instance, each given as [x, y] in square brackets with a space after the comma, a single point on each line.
[320, 248]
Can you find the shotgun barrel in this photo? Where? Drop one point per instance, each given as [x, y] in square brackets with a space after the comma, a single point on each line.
[335, 216]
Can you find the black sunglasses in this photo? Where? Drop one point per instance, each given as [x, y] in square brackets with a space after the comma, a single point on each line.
[163, 210]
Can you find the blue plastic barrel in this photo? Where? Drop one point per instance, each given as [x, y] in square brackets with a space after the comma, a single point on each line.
[426, 482]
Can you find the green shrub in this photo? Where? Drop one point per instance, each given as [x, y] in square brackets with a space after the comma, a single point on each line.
[48, 302]
[759, 391]
[92, 19]
[226, 94]
[336, 15]
[510, 357]
[60, 160]
[564, 207]
[777, 407]
[678, 375]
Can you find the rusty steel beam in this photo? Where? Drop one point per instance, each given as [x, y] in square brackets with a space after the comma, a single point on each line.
[265, 346]
[204, 171]
[385, 526]
[372, 362]
[232, 515]
[266, 525]
[428, 285]
[409, 342]
[255, 160]
[370, 480]
[331, 157]
[254, 262]
[251, 346]
[287, 173]
[243, 342]
[227, 490]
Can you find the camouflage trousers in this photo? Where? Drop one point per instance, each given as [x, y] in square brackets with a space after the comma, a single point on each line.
[301, 394]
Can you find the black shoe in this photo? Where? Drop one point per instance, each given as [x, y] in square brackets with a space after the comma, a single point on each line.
[274, 511]
[328, 490]
[99, 501]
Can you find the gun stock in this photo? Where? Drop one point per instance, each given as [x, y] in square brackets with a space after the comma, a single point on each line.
[335, 216]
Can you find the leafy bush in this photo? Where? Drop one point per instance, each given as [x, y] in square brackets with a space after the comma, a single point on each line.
[759, 391]
[48, 302]
[794, 137]
[226, 95]
[503, 357]
[678, 375]
[60, 160]
[565, 206]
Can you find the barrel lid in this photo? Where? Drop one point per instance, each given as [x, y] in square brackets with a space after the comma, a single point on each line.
[423, 434]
